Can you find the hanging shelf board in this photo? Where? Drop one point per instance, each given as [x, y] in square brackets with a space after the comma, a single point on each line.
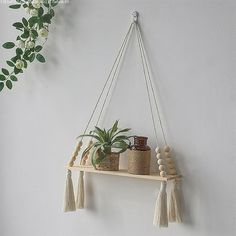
[123, 173]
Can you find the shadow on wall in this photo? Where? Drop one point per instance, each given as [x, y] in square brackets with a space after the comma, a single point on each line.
[180, 159]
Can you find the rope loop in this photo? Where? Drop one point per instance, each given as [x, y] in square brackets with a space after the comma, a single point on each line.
[112, 76]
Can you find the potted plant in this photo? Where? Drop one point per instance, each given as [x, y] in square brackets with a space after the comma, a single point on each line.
[108, 145]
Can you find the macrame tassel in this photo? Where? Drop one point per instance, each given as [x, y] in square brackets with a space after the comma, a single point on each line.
[171, 213]
[69, 200]
[160, 214]
[80, 191]
[175, 214]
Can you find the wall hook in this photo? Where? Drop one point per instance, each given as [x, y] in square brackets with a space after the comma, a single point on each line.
[135, 16]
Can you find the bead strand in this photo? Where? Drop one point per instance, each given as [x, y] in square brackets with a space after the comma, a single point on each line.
[170, 161]
[75, 154]
[160, 162]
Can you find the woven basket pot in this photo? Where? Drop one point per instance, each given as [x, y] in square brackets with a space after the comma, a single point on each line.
[110, 163]
[139, 162]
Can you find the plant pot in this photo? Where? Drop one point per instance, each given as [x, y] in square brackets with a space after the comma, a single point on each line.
[110, 163]
[139, 162]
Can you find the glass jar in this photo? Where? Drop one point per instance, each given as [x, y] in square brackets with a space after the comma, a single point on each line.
[140, 143]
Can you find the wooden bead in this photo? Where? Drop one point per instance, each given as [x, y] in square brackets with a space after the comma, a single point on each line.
[169, 160]
[79, 147]
[162, 167]
[158, 156]
[167, 149]
[157, 150]
[167, 154]
[161, 162]
[172, 172]
[163, 174]
[171, 166]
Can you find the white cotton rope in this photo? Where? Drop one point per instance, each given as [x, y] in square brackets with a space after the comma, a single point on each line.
[160, 212]
[120, 56]
[80, 196]
[148, 75]
[175, 213]
[146, 82]
[115, 65]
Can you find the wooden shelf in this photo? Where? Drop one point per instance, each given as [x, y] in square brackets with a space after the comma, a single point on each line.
[124, 173]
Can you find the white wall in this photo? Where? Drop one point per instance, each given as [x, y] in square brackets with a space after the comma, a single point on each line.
[191, 45]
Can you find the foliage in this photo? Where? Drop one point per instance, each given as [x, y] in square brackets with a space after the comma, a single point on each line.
[106, 141]
[28, 44]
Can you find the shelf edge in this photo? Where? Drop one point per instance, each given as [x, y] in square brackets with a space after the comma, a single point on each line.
[124, 173]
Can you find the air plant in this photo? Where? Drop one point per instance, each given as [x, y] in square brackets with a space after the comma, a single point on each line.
[108, 141]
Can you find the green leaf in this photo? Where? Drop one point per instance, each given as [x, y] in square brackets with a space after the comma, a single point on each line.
[90, 135]
[38, 48]
[18, 25]
[9, 84]
[15, 58]
[121, 131]
[34, 33]
[40, 12]
[13, 78]
[32, 57]
[113, 129]
[94, 154]
[19, 51]
[17, 71]
[25, 22]
[40, 23]
[15, 6]
[33, 20]
[5, 71]
[2, 77]
[47, 18]
[25, 35]
[100, 158]
[8, 45]
[40, 58]
[19, 29]
[119, 138]
[52, 12]
[1, 86]
[45, 3]
[10, 63]
[100, 132]
[54, 2]
[120, 144]
[25, 63]
[26, 57]
[27, 52]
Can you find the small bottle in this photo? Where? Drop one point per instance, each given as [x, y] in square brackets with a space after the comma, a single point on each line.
[140, 143]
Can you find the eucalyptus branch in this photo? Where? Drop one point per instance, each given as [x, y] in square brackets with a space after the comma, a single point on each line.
[27, 44]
